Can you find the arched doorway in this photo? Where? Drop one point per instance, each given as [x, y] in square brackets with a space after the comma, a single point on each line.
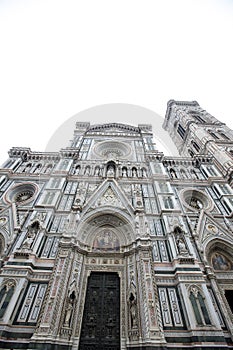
[102, 322]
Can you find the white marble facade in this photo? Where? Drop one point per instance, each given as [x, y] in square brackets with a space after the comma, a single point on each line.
[111, 204]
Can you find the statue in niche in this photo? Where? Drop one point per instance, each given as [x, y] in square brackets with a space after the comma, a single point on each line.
[77, 170]
[28, 242]
[32, 231]
[144, 174]
[110, 171]
[97, 171]
[69, 309]
[124, 172]
[87, 171]
[220, 262]
[182, 247]
[132, 276]
[180, 241]
[133, 311]
[134, 172]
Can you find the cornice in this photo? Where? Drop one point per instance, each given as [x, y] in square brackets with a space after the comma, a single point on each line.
[99, 127]
[195, 161]
[26, 154]
[71, 153]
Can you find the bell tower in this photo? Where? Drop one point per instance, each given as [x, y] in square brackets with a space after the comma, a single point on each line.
[197, 132]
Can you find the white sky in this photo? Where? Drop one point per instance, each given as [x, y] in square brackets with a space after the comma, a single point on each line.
[60, 57]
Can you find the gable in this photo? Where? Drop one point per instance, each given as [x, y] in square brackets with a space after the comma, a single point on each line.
[109, 194]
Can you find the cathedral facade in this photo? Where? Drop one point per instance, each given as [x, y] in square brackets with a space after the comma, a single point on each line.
[110, 245]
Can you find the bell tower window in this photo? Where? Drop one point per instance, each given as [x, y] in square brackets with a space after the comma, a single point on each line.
[181, 131]
[213, 135]
[197, 116]
[196, 146]
[224, 136]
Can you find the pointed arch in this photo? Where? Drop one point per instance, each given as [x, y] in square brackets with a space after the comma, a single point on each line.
[173, 174]
[111, 169]
[183, 173]
[6, 293]
[118, 222]
[197, 300]
[219, 255]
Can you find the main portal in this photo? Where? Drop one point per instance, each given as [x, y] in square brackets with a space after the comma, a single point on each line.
[101, 318]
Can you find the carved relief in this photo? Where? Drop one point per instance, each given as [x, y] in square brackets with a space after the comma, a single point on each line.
[109, 198]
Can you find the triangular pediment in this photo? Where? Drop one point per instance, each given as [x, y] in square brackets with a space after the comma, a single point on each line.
[209, 228]
[108, 194]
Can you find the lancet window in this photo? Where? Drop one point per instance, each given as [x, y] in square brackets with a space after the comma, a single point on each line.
[199, 307]
[181, 131]
[223, 135]
[196, 146]
[5, 297]
[197, 117]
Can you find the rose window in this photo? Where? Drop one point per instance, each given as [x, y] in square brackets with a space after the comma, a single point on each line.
[21, 193]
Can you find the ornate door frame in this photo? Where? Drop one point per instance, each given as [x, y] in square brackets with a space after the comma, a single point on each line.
[102, 264]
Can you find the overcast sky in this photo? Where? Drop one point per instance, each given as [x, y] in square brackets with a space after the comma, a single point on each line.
[61, 57]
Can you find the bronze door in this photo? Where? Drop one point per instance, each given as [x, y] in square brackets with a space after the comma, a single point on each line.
[101, 318]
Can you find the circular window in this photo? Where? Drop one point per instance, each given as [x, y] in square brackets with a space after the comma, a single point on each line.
[196, 200]
[21, 193]
[112, 149]
[23, 196]
[195, 203]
